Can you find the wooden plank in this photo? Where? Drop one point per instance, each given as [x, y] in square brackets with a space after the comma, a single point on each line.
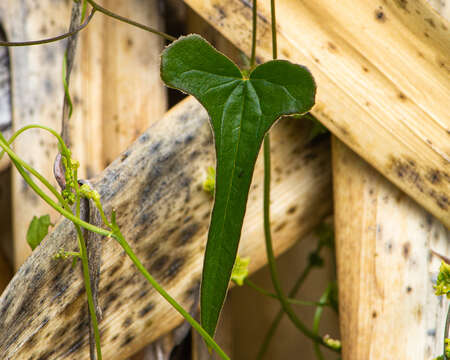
[393, 292]
[113, 61]
[386, 270]
[5, 94]
[168, 233]
[382, 70]
[34, 69]
[116, 82]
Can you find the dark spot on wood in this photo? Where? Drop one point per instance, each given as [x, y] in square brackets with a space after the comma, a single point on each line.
[402, 4]
[332, 47]
[143, 138]
[47, 355]
[221, 12]
[155, 147]
[408, 289]
[109, 300]
[114, 269]
[285, 53]
[124, 155]
[434, 176]
[431, 22]
[389, 247]
[143, 293]
[365, 69]
[59, 334]
[188, 233]
[291, 210]
[159, 263]
[152, 251]
[127, 339]
[406, 171]
[426, 34]
[193, 292]
[379, 15]
[316, 60]
[146, 309]
[43, 30]
[174, 267]
[195, 154]
[188, 139]
[77, 344]
[259, 60]
[406, 249]
[374, 314]
[420, 54]
[127, 322]
[280, 227]
[130, 42]
[402, 96]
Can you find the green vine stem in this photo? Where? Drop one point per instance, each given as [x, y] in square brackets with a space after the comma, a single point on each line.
[289, 300]
[52, 39]
[95, 7]
[270, 254]
[114, 233]
[254, 29]
[299, 282]
[317, 317]
[267, 231]
[109, 13]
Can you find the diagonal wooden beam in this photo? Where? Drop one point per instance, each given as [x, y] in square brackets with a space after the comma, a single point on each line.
[382, 70]
[156, 187]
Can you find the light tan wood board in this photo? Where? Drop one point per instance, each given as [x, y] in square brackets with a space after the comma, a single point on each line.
[393, 292]
[386, 270]
[5, 94]
[167, 232]
[115, 89]
[383, 75]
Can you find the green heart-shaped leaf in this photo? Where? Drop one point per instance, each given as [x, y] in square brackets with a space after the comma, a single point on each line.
[241, 112]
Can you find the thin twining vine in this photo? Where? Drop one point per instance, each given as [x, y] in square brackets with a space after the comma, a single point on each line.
[72, 194]
[286, 306]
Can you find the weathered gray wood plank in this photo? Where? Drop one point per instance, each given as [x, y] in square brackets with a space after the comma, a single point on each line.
[155, 186]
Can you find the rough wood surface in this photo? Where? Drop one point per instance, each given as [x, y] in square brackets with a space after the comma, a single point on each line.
[386, 269]
[42, 312]
[382, 71]
[36, 99]
[115, 89]
[5, 94]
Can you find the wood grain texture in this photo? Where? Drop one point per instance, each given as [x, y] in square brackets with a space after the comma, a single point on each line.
[382, 71]
[115, 89]
[37, 91]
[386, 269]
[42, 312]
[5, 94]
